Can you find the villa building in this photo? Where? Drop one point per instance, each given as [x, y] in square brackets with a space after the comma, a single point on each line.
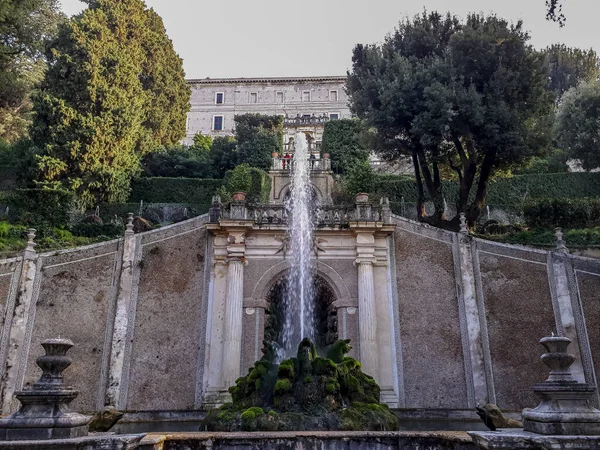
[305, 102]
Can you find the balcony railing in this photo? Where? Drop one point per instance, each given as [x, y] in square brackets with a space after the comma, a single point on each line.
[322, 215]
[288, 164]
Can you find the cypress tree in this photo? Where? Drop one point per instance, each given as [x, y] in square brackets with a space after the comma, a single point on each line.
[114, 89]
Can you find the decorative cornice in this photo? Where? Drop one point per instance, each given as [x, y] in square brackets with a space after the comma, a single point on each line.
[267, 80]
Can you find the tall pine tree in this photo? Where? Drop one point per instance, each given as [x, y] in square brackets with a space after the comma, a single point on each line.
[114, 90]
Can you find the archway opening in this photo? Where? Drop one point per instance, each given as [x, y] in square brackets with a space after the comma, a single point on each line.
[325, 314]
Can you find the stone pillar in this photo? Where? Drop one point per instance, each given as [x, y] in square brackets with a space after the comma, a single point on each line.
[16, 323]
[115, 394]
[232, 336]
[367, 313]
[471, 329]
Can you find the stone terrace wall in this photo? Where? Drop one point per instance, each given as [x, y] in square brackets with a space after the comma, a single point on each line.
[471, 313]
[134, 307]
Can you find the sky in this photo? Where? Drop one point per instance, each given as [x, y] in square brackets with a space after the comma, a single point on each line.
[261, 38]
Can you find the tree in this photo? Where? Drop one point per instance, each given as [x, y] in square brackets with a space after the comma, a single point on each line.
[258, 136]
[554, 12]
[346, 142]
[469, 96]
[114, 90]
[25, 27]
[570, 66]
[224, 155]
[578, 124]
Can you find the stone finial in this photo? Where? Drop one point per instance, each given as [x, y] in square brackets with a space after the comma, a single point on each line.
[30, 247]
[216, 200]
[463, 223]
[565, 407]
[560, 242]
[129, 226]
[386, 211]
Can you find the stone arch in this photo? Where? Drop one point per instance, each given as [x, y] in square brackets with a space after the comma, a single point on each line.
[330, 275]
[286, 188]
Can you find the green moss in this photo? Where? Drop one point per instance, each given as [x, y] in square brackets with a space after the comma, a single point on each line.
[283, 386]
[308, 380]
[286, 369]
[324, 366]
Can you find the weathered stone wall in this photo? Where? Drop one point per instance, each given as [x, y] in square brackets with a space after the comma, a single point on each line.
[519, 312]
[471, 314]
[78, 294]
[75, 297]
[430, 333]
[169, 322]
[587, 279]
[458, 319]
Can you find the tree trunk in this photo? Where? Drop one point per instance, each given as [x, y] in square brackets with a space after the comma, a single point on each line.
[420, 193]
[475, 209]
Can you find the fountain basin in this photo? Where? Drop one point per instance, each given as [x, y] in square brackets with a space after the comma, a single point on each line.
[313, 440]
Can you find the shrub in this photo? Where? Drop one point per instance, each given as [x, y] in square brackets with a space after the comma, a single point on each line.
[174, 190]
[43, 207]
[254, 182]
[93, 230]
[566, 213]
[345, 140]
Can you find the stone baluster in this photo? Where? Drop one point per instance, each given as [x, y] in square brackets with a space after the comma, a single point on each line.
[367, 315]
[232, 340]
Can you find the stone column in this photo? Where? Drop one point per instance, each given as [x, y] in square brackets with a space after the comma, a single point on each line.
[367, 314]
[478, 391]
[115, 394]
[232, 336]
[16, 325]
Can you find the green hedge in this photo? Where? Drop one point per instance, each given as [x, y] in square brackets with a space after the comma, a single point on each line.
[40, 207]
[8, 178]
[174, 190]
[572, 213]
[505, 191]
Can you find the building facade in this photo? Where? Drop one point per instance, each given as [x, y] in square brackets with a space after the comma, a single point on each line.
[306, 103]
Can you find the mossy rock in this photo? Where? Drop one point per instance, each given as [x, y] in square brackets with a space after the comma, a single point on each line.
[307, 392]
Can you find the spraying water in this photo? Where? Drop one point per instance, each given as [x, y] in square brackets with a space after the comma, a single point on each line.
[298, 299]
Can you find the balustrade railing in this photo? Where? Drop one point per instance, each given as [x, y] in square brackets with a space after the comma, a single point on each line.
[278, 214]
[288, 164]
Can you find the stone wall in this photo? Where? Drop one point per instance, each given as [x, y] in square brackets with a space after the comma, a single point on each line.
[471, 313]
[457, 319]
[150, 287]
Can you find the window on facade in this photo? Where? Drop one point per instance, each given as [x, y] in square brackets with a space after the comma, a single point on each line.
[306, 96]
[217, 123]
[334, 116]
[219, 96]
[279, 97]
[253, 97]
[333, 97]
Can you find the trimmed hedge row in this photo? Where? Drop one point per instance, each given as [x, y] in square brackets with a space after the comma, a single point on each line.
[505, 191]
[174, 190]
[571, 213]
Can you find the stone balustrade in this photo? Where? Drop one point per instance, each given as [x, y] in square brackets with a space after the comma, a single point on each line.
[277, 214]
[288, 164]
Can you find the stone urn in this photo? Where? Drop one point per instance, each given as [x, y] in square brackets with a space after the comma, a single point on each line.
[45, 411]
[238, 196]
[362, 197]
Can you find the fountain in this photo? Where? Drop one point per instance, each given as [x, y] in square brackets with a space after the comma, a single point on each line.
[298, 301]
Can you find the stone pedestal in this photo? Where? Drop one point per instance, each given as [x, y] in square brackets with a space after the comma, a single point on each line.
[565, 408]
[45, 412]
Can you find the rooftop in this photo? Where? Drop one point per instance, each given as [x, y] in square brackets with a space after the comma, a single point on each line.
[267, 80]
